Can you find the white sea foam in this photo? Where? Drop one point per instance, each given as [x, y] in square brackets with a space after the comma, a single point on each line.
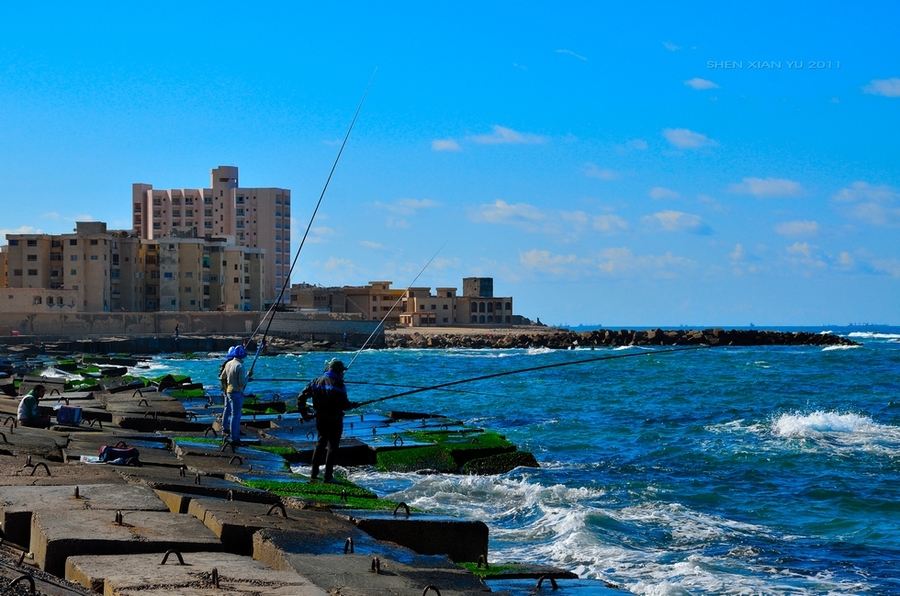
[840, 432]
[874, 335]
[830, 348]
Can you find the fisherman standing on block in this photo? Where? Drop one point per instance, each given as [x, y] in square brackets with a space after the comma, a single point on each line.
[329, 400]
[234, 380]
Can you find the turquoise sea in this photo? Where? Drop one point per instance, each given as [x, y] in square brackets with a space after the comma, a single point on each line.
[746, 470]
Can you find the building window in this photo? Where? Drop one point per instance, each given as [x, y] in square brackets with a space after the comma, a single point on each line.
[509, 306]
[14, 243]
[32, 272]
[49, 300]
[474, 319]
[445, 308]
[374, 309]
[187, 289]
[189, 274]
[31, 258]
[73, 242]
[17, 272]
[95, 258]
[31, 242]
[73, 272]
[490, 319]
[481, 319]
[167, 275]
[481, 308]
[37, 300]
[188, 201]
[93, 242]
[490, 307]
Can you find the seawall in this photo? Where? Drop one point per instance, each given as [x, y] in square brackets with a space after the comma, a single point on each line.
[562, 339]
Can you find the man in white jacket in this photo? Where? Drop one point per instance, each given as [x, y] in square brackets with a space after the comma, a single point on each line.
[234, 379]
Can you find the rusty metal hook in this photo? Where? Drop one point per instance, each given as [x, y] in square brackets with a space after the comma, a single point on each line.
[46, 469]
[348, 545]
[173, 552]
[541, 580]
[280, 507]
[206, 432]
[27, 577]
[431, 587]
[376, 565]
[405, 508]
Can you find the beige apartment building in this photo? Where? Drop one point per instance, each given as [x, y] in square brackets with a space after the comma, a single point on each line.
[252, 218]
[413, 307]
[93, 270]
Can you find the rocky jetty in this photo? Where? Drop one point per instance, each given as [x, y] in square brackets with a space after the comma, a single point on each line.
[562, 339]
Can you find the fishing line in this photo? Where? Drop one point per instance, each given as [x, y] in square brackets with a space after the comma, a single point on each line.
[529, 369]
[399, 299]
[286, 282]
[373, 384]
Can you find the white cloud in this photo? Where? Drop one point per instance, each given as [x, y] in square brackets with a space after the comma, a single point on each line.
[71, 218]
[700, 84]
[592, 171]
[886, 87]
[19, 230]
[684, 138]
[889, 266]
[798, 248]
[671, 46]
[638, 144]
[320, 234]
[875, 205]
[797, 228]
[545, 262]
[623, 260]
[738, 253]
[501, 212]
[517, 65]
[579, 218]
[677, 221]
[610, 224]
[571, 53]
[372, 245]
[445, 145]
[846, 260]
[408, 206]
[768, 187]
[334, 263]
[503, 135]
[658, 192]
[611, 261]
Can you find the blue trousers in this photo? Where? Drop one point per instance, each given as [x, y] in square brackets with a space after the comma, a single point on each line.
[231, 417]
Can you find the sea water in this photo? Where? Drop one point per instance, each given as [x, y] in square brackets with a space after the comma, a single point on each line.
[728, 470]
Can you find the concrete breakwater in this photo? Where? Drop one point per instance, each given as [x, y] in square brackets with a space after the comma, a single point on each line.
[562, 339]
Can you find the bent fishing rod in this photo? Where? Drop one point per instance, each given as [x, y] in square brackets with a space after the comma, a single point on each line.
[529, 369]
[271, 312]
[380, 324]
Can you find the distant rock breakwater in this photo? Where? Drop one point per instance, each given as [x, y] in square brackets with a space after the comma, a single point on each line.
[610, 337]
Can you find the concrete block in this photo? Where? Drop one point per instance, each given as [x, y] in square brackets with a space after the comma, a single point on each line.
[18, 502]
[462, 541]
[235, 522]
[57, 535]
[142, 575]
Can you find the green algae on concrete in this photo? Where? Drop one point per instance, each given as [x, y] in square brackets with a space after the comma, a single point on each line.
[341, 494]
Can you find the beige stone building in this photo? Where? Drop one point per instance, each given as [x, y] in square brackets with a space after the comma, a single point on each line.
[95, 270]
[413, 307]
[253, 218]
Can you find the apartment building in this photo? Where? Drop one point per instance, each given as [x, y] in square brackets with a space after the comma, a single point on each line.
[253, 218]
[95, 270]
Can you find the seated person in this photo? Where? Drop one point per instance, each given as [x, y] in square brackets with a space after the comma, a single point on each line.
[28, 409]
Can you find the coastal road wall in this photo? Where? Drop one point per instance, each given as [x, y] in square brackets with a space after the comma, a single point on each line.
[17, 328]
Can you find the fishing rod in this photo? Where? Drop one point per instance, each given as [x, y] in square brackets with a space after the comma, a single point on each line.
[271, 312]
[529, 369]
[371, 383]
[393, 306]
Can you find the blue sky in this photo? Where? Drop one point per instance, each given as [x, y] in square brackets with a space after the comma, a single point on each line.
[635, 165]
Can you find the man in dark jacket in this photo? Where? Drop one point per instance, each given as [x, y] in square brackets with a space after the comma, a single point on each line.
[329, 400]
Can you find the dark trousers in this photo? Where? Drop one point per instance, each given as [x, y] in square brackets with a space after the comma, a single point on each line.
[329, 430]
